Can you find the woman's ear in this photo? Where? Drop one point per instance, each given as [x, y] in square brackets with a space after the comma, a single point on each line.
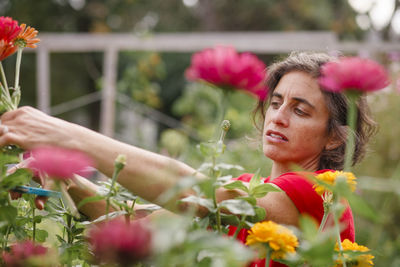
[337, 138]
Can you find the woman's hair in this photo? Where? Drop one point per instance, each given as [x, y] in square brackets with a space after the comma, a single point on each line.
[311, 63]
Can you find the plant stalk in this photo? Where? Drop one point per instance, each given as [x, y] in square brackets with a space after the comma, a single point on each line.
[351, 122]
[6, 92]
[242, 219]
[339, 239]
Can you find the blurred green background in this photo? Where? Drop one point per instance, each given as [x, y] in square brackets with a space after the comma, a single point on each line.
[154, 82]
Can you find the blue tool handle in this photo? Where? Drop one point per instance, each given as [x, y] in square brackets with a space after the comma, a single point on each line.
[37, 191]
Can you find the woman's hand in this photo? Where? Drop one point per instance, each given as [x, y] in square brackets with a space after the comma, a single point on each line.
[28, 127]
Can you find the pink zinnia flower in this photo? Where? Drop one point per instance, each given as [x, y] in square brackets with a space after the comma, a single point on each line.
[59, 163]
[224, 67]
[9, 30]
[21, 252]
[353, 73]
[118, 242]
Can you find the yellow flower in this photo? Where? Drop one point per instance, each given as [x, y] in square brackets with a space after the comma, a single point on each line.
[364, 260]
[27, 37]
[330, 178]
[279, 238]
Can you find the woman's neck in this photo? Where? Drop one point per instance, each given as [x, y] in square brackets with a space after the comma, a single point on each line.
[279, 168]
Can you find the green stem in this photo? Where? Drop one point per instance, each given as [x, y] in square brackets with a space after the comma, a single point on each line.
[218, 213]
[351, 122]
[17, 68]
[5, 242]
[339, 239]
[16, 81]
[5, 92]
[33, 221]
[325, 217]
[221, 112]
[242, 219]
[63, 206]
[3, 77]
[132, 210]
[267, 257]
[113, 180]
[69, 224]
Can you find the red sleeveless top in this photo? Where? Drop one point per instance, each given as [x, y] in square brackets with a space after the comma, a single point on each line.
[300, 190]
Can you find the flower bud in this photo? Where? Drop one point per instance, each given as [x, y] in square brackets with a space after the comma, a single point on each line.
[120, 162]
[225, 125]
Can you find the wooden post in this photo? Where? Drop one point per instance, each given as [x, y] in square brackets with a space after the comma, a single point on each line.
[107, 115]
[43, 79]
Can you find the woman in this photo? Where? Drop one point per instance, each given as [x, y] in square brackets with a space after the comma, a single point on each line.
[303, 125]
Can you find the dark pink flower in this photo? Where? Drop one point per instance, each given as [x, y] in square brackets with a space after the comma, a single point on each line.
[59, 163]
[353, 73]
[21, 252]
[118, 242]
[9, 30]
[224, 67]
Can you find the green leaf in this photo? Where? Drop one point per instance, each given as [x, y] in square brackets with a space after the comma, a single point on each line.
[308, 227]
[225, 166]
[207, 149]
[238, 207]
[229, 219]
[37, 219]
[182, 185]
[237, 185]
[260, 215]
[219, 148]
[90, 199]
[223, 180]
[8, 213]
[361, 207]
[19, 177]
[252, 200]
[262, 189]
[205, 202]
[255, 180]
[41, 235]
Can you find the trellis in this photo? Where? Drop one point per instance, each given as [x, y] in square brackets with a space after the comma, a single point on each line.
[111, 44]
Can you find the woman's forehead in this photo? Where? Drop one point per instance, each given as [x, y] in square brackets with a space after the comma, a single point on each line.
[298, 84]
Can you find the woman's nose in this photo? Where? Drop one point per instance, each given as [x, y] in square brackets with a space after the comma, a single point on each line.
[281, 116]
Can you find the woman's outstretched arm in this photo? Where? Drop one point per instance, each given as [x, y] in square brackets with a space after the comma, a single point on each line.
[146, 174]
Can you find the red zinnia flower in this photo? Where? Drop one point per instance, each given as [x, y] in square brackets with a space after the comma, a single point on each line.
[223, 66]
[353, 73]
[9, 30]
[59, 163]
[121, 243]
[21, 252]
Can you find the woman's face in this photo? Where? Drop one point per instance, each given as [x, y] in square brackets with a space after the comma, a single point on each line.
[295, 126]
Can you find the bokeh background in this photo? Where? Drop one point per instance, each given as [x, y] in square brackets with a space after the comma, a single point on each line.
[159, 110]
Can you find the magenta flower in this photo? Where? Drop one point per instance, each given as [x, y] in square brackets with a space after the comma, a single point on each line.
[59, 163]
[353, 73]
[118, 242]
[224, 67]
[9, 30]
[21, 252]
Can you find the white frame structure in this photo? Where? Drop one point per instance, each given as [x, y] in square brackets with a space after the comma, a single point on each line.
[112, 44]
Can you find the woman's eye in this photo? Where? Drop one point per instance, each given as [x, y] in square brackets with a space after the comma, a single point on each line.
[299, 112]
[275, 105]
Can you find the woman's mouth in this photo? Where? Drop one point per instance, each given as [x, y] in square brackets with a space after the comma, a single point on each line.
[276, 137]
